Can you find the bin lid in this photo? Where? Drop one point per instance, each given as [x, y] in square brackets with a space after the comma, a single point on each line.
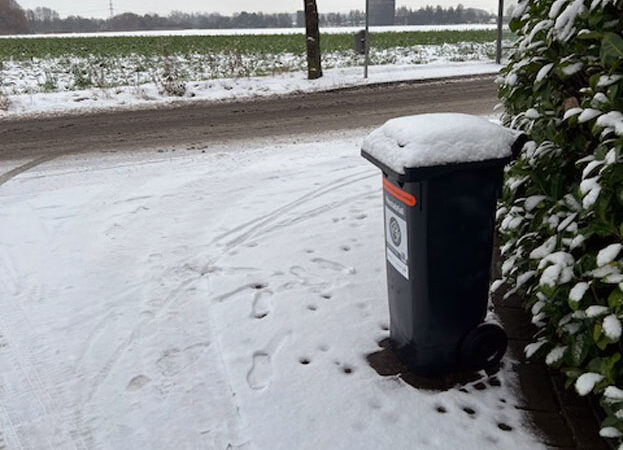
[433, 140]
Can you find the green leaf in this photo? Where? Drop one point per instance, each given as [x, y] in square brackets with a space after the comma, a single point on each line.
[603, 343]
[572, 373]
[615, 299]
[597, 330]
[580, 348]
[515, 25]
[569, 382]
[610, 422]
[601, 228]
[573, 305]
[593, 80]
[610, 362]
[590, 35]
[611, 50]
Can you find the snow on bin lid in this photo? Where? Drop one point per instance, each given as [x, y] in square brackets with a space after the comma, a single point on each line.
[429, 140]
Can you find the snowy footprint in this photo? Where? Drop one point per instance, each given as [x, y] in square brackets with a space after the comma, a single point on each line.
[303, 278]
[262, 304]
[335, 266]
[261, 372]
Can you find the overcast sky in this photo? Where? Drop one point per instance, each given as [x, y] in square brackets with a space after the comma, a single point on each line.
[99, 8]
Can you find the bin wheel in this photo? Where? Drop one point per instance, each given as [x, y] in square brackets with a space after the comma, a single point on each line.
[483, 347]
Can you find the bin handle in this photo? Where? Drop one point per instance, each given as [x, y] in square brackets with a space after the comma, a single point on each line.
[518, 145]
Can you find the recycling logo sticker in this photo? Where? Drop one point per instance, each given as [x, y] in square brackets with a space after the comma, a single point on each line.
[397, 241]
[394, 231]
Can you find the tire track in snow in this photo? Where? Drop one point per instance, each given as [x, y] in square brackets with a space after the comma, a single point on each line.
[298, 201]
[119, 351]
[31, 383]
[101, 324]
[7, 176]
[310, 214]
[257, 224]
[13, 322]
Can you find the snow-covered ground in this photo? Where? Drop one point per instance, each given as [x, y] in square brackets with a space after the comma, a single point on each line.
[263, 31]
[150, 94]
[217, 298]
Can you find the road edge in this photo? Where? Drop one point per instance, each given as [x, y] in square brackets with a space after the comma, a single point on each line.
[191, 103]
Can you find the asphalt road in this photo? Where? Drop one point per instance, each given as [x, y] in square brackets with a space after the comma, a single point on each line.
[202, 122]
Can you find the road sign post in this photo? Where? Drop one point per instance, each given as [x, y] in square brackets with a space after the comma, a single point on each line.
[367, 43]
[498, 50]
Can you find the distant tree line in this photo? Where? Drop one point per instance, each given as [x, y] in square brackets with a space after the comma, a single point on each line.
[14, 20]
[439, 16]
[428, 15]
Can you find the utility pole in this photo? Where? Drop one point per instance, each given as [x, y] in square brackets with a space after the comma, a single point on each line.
[112, 13]
[367, 42]
[498, 50]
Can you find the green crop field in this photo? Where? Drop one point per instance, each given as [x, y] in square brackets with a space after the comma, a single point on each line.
[28, 48]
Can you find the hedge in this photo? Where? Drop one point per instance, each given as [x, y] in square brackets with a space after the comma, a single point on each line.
[562, 208]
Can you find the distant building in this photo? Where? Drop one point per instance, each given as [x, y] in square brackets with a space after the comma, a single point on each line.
[382, 12]
[300, 19]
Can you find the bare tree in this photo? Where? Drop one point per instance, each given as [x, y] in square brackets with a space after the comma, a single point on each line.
[314, 65]
[44, 14]
[12, 18]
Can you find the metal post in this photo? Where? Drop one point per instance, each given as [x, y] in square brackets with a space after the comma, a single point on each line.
[367, 44]
[498, 50]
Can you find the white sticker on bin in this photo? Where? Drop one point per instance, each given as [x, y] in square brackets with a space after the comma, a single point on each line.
[397, 240]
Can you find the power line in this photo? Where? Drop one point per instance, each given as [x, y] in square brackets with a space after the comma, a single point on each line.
[112, 13]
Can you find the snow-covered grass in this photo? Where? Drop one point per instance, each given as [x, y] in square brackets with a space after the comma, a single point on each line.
[152, 94]
[226, 299]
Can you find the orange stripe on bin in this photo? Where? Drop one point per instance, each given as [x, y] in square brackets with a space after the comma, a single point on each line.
[401, 195]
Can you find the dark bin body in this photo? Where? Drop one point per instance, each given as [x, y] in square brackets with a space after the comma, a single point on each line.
[443, 297]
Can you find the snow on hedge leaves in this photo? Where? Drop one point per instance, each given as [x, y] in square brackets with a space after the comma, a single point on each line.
[565, 90]
[613, 120]
[608, 254]
[577, 293]
[586, 382]
[610, 432]
[558, 269]
[612, 327]
[590, 189]
[613, 394]
[565, 22]
[555, 355]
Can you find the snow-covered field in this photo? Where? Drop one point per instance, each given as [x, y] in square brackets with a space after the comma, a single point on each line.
[63, 74]
[218, 298]
[263, 31]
